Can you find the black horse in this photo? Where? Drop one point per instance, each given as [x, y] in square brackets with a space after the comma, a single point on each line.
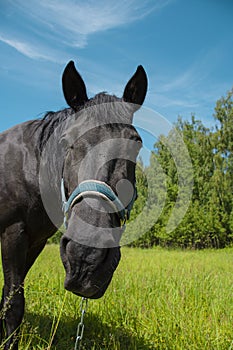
[82, 159]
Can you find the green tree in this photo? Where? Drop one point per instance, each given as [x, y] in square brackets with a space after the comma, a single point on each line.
[209, 218]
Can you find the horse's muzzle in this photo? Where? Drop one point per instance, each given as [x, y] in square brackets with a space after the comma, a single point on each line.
[88, 270]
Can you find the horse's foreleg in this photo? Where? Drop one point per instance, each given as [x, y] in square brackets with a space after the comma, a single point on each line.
[14, 246]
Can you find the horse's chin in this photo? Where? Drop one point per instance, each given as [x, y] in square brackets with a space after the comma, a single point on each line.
[88, 270]
[86, 291]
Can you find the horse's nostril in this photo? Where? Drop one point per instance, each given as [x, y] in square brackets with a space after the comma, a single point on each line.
[63, 245]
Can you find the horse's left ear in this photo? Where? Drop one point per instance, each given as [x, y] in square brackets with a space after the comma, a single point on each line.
[74, 88]
[136, 88]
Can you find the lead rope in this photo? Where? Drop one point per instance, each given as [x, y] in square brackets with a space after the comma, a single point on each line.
[80, 329]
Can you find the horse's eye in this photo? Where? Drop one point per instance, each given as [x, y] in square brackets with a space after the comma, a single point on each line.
[139, 143]
[65, 144]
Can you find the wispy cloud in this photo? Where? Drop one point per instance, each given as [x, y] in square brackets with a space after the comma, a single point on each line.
[188, 78]
[178, 93]
[24, 48]
[37, 51]
[63, 24]
[84, 18]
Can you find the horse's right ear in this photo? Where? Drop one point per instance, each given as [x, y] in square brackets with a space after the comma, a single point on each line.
[74, 88]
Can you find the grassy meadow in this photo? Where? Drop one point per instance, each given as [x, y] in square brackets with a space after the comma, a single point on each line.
[158, 299]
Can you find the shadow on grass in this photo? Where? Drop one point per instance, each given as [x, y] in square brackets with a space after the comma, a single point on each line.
[37, 331]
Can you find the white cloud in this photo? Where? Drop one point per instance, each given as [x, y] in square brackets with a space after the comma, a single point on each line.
[37, 52]
[84, 18]
[23, 47]
[70, 23]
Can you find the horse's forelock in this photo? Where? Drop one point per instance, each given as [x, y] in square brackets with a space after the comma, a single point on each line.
[101, 109]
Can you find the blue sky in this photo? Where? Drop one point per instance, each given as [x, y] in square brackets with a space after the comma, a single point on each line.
[186, 47]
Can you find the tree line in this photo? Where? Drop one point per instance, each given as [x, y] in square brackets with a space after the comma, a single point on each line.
[185, 193]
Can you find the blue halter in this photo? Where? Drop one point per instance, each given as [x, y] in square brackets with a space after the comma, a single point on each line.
[99, 189]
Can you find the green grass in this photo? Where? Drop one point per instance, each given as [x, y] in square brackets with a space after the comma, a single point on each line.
[158, 299]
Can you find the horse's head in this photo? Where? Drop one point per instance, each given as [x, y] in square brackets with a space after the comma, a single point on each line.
[98, 185]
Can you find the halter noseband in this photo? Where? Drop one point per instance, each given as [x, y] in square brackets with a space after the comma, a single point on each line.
[98, 189]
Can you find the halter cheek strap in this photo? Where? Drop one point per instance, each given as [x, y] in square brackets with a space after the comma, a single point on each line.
[98, 189]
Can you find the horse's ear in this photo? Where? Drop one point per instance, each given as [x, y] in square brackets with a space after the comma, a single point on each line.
[136, 88]
[74, 88]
